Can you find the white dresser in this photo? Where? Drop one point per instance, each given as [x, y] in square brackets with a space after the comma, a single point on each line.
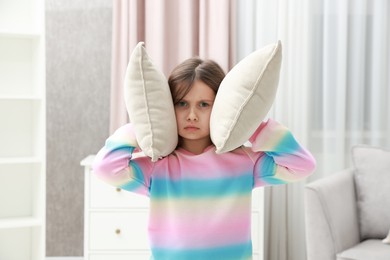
[115, 221]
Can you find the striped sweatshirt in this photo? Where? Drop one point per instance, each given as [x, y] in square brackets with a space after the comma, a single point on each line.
[200, 205]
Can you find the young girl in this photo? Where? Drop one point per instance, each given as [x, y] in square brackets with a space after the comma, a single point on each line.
[200, 201]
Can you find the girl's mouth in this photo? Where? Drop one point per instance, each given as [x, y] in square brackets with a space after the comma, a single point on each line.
[191, 128]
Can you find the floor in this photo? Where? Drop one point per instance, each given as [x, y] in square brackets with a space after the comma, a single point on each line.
[64, 258]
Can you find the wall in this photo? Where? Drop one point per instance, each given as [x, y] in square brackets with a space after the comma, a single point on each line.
[78, 48]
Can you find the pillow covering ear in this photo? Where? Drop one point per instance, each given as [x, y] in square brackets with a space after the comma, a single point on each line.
[149, 105]
[244, 98]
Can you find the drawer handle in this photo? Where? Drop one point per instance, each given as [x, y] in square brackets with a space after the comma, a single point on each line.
[117, 231]
[118, 189]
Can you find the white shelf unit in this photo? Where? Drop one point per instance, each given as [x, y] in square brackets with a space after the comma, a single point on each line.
[22, 130]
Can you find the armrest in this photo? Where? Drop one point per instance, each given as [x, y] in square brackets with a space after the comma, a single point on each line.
[331, 216]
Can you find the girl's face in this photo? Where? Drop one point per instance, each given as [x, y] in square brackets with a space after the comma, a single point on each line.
[193, 115]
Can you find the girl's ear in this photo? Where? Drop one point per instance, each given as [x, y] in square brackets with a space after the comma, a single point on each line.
[244, 97]
[149, 105]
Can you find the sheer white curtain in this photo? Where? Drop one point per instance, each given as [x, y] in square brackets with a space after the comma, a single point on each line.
[350, 59]
[333, 93]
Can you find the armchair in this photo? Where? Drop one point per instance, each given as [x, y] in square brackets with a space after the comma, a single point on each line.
[341, 214]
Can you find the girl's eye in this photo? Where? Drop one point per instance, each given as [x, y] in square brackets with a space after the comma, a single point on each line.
[181, 104]
[204, 104]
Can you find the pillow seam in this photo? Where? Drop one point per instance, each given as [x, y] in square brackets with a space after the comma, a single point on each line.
[147, 106]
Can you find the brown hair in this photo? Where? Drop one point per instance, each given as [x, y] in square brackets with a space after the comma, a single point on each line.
[186, 73]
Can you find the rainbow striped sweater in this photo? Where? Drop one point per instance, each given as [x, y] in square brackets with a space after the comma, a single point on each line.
[200, 205]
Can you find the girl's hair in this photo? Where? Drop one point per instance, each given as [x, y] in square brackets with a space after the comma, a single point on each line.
[186, 73]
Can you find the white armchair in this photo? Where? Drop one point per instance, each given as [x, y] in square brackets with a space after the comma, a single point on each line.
[335, 213]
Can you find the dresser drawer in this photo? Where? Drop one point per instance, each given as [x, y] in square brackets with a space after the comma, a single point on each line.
[118, 231]
[255, 231]
[103, 195]
[132, 256]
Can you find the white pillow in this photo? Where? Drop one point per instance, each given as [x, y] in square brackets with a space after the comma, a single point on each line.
[244, 98]
[149, 105]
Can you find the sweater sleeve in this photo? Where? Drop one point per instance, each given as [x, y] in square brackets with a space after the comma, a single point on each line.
[114, 164]
[281, 159]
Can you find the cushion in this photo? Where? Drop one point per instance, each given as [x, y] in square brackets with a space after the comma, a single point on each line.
[245, 97]
[372, 180]
[149, 105]
[367, 250]
[386, 240]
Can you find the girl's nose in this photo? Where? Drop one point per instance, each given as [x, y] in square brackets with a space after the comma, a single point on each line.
[192, 115]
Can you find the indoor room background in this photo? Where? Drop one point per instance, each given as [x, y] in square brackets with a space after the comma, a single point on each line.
[333, 90]
[78, 62]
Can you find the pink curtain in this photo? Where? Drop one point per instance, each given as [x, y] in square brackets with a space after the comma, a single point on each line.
[173, 30]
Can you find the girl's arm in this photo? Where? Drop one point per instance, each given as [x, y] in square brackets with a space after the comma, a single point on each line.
[281, 159]
[113, 162]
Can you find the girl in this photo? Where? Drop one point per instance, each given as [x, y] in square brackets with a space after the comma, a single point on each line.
[200, 201]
